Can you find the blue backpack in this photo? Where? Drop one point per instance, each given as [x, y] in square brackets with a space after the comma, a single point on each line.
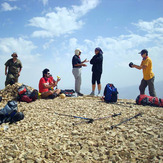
[110, 93]
[10, 113]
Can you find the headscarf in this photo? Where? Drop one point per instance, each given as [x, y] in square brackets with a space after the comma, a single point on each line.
[99, 49]
[77, 52]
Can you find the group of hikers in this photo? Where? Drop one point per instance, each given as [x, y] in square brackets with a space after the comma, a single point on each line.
[13, 68]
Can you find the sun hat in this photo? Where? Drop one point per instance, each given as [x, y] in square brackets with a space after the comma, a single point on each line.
[14, 53]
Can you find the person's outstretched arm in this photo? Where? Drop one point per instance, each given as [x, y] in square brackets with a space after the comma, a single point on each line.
[139, 67]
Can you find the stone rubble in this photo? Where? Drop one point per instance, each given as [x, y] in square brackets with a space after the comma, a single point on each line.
[45, 137]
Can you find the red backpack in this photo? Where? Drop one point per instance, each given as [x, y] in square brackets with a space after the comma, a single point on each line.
[25, 95]
[149, 100]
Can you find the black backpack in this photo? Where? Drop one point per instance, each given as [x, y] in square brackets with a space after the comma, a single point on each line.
[69, 92]
[10, 113]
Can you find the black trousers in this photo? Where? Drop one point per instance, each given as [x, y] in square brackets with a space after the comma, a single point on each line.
[96, 77]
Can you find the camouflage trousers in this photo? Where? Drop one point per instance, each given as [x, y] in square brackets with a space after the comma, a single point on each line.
[11, 79]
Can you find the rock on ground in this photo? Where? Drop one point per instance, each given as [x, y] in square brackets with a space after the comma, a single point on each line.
[45, 137]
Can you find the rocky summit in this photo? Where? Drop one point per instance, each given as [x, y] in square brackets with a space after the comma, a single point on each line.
[45, 135]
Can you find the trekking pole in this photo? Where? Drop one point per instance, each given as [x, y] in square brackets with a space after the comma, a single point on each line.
[115, 126]
[89, 119]
[92, 120]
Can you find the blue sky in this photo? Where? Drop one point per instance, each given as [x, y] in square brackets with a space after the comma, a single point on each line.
[45, 34]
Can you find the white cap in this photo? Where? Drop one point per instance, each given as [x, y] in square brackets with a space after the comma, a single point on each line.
[77, 51]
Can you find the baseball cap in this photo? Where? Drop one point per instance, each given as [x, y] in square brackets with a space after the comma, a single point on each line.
[143, 51]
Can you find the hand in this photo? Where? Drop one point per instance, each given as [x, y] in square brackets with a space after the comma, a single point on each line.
[18, 73]
[5, 73]
[58, 79]
[84, 65]
[85, 60]
[131, 64]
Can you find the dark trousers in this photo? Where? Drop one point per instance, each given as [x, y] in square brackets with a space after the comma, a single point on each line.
[150, 84]
[96, 76]
[11, 77]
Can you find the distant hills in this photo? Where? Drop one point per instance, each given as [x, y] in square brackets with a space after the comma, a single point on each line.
[132, 92]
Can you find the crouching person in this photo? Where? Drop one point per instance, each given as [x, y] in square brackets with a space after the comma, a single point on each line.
[45, 86]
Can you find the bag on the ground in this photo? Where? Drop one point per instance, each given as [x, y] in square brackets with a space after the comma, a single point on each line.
[149, 100]
[34, 95]
[110, 93]
[69, 92]
[10, 113]
[25, 95]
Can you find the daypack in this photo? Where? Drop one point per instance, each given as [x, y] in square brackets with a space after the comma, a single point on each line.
[10, 113]
[110, 93]
[69, 92]
[25, 95]
[149, 100]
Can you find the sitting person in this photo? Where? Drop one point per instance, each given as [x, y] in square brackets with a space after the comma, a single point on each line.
[45, 84]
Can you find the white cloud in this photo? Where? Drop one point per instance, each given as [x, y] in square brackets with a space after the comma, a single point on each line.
[47, 44]
[152, 26]
[7, 7]
[119, 51]
[62, 20]
[21, 46]
[45, 2]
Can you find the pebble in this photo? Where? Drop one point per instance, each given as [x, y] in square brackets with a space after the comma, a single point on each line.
[43, 136]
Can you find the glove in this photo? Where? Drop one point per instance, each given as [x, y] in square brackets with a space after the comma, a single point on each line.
[130, 64]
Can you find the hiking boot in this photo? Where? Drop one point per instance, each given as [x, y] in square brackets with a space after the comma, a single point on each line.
[92, 94]
[79, 94]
